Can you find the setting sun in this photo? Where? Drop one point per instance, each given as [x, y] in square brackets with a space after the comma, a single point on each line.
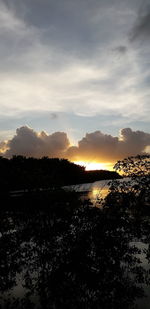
[89, 166]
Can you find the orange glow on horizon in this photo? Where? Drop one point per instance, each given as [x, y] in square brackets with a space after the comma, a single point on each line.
[91, 166]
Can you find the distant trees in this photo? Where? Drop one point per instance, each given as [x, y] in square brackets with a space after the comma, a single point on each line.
[27, 173]
[20, 172]
[96, 175]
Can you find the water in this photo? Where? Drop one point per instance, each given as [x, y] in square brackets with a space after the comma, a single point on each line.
[74, 257]
[78, 262]
[95, 190]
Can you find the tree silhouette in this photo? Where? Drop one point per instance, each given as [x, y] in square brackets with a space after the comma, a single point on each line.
[21, 173]
[70, 255]
[134, 191]
[60, 252]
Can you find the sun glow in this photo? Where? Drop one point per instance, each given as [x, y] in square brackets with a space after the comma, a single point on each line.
[90, 166]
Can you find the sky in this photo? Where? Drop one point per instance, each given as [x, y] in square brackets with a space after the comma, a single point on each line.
[75, 76]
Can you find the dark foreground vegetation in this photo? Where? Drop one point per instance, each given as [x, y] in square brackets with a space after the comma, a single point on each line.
[30, 173]
[60, 252]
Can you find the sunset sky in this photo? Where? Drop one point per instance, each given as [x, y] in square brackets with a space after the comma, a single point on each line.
[75, 79]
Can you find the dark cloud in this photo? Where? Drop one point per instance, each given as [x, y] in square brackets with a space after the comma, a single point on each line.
[121, 49]
[76, 27]
[27, 142]
[53, 116]
[106, 148]
[95, 146]
[141, 29]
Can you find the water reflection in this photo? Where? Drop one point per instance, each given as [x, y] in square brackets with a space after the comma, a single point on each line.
[95, 191]
[97, 195]
[72, 257]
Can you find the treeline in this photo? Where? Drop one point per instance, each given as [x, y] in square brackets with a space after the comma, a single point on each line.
[96, 175]
[20, 172]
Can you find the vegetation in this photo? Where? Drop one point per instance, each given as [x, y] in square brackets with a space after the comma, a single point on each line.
[70, 255]
[30, 173]
[134, 191]
[137, 166]
[60, 252]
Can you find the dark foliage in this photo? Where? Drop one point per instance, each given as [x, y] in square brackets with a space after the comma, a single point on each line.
[60, 252]
[133, 192]
[96, 175]
[70, 255]
[136, 166]
[30, 173]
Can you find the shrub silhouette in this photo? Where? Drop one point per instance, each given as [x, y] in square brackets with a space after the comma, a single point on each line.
[60, 252]
[134, 191]
[70, 255]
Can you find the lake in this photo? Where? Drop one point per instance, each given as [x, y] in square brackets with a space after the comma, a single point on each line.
[73, 256]
[95, 190]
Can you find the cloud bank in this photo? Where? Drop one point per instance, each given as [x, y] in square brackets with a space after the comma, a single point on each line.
[61, 56]
[95, 146]
[28, 142]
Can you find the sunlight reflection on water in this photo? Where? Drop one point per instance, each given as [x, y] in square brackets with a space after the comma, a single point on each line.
[97, 194]
[94, 191]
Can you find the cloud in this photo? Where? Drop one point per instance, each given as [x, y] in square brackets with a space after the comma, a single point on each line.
[56, 57]
[101, 147]
[3, 147]
[53, 116]
[121, 49]
[141, 29]
[28, 142]
[95, 146]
